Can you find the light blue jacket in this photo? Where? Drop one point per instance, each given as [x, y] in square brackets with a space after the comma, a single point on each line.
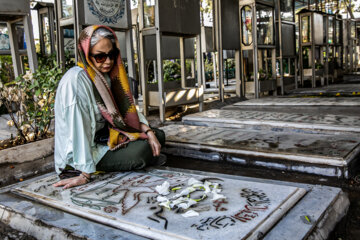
[77, 119]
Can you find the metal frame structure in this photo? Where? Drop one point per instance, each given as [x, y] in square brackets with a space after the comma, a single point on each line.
[286, 47]
[86, 13]
[227, 37]
[328, 49]
[13, 12]
[46, 10]
[259, 50]
[169, 20]
[338, 48]
[349, 44]
[315, 44]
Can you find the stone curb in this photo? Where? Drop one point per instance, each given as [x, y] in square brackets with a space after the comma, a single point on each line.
[28, 152]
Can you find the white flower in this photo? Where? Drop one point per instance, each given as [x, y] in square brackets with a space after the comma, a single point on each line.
[163, 189]
[190, 213]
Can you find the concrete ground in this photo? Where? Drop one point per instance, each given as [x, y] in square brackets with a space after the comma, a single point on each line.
[348, 228]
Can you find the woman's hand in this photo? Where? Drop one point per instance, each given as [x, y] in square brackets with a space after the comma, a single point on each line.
[154, 143]
[72, 182]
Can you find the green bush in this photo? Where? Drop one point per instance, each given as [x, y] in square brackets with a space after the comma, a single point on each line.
[30, 98]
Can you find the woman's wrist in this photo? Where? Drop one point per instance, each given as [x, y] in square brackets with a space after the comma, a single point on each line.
[149, 130]
[86, 176]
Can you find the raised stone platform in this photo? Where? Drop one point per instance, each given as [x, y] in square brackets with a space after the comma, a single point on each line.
[253, 208]
[322, 154]
[274, 120]
[348, 90]
[318, 101]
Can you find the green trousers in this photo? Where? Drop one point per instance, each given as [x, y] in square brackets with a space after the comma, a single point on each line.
[135, 155]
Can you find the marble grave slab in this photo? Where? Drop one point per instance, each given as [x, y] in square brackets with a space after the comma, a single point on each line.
[237, 119]
[266, 148]
[127, 201]
[273, 101]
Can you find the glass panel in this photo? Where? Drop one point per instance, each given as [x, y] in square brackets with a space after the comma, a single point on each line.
[67, 8]
[248, 65]
[265, 24]
[287, 10]
[352, 29]
[69, 42]
[337, 31]
[4, 38]
[46, 34]
[305, 29]
[149, 13]
[324, 29]
[246, 20]
[306, 57]
[331, 30]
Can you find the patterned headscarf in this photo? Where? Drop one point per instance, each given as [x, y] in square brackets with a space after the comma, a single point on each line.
[116, 103]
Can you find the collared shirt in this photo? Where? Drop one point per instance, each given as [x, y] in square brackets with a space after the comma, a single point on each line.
[77, 119]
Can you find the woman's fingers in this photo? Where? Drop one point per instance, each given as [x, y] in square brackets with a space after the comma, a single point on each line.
[61, 183]
[70, 182]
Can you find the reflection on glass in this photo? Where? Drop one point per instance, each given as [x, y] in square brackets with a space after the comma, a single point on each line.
[353, 30]
[246, 20]
[306, 57]
[287, 10]
[67, 8]
[331, 30]
[305, 29]
[149, 13]
[265, 24]
[46, 34]
[337, 31]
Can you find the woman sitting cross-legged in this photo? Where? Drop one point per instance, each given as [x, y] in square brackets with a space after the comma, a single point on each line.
[93, 105]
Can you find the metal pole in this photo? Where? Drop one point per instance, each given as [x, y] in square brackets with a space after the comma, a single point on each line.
[280, 50]
[52, 29]
[29, 37]
[214, 57]
[238, 74]
[182, 61]
[313, 52]
[199, 59]
[220, 50]
[162, 97]
[255, 53]
[141, 57]
[14, 48]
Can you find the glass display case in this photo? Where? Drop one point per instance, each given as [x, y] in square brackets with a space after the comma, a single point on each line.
[149, 13]
[313, 47]
[67, 8]
[265, 24]
[246, 20]
[260, 70]
[305, 29]
[159, 20]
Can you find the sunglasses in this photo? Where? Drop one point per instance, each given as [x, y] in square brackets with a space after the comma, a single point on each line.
[101, 57]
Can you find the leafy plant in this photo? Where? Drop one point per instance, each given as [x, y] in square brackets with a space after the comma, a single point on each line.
[30, 99]
[6, 69]
[172, 71]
